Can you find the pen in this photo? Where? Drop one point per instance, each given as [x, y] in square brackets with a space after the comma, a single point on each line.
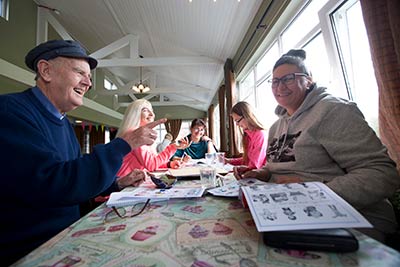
[221, 179]
[184, 154]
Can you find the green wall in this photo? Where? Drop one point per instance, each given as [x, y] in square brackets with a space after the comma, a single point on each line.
[18, 37]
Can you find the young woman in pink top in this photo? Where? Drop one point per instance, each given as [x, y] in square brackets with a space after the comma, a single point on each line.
[254, 137]
[139, 113]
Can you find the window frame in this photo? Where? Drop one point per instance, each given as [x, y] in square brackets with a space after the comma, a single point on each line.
[337, 83]
[4, 9]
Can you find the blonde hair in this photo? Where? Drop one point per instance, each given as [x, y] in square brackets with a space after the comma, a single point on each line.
[246, 111]
[132, 115]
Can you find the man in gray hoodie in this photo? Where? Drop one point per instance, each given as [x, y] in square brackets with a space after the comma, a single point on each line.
[319, 137]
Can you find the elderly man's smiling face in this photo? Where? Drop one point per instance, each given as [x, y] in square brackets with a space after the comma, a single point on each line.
[67, 80]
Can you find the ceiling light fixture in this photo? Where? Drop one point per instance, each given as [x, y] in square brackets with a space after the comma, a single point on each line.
[141, 87]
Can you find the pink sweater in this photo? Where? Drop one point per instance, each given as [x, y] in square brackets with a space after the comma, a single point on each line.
[256, 152]
[146, 157]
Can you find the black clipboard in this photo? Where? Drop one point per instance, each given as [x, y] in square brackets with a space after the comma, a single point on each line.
[331, 240]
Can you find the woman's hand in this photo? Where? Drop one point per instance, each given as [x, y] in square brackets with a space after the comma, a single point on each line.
[241, 172]
[175, 164]
[186, 158]
[135, 178]
[182, 143]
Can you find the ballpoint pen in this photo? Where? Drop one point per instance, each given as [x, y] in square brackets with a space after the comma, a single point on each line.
[220, 179]
[183, 156]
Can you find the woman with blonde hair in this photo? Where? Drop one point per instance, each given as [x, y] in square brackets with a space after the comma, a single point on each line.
[254, 137]
[139, 113]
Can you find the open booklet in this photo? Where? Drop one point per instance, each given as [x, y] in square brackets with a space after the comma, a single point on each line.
[232, 188]
[300, 206]
[191, 171]
[140, 194]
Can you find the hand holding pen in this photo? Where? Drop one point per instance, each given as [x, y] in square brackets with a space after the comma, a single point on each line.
[185, 157]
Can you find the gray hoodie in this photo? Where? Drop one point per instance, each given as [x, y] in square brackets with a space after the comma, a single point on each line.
[328, 140]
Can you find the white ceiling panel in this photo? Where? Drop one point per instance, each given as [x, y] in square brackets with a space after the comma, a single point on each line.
[190, 41]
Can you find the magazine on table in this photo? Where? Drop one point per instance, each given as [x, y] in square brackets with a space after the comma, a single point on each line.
[140, 194]
[300, 206]
[191, 171]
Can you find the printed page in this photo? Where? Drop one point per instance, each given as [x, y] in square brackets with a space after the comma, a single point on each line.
[190, 171]
[121, 199]
[232, 189]
[142, 192]
[300, 206]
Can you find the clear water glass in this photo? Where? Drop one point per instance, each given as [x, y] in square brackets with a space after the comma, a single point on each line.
[220, 160]
[208, 177]
[210, 159]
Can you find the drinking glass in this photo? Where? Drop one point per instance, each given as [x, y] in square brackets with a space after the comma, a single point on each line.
[207, 177]
[220, 160]
[210, 159]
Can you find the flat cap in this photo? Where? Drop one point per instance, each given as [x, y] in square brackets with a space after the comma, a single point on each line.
[57, 48]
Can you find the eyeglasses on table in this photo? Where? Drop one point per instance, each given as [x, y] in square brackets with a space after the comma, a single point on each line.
[124, 212]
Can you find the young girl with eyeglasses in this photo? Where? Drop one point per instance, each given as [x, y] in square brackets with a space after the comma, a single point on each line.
[254, 137]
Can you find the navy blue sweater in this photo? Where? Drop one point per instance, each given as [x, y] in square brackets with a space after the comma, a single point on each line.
[44, 177]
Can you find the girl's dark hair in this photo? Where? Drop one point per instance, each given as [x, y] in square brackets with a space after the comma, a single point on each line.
[198, 122]
[294, 57]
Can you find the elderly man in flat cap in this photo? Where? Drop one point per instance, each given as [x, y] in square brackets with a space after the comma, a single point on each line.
[44, 177]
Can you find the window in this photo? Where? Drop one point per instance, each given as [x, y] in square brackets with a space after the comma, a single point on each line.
[185, 129]
[305, 22]
[354, 53]
[108, 85]
[318, 63]
[265, 65]
[266, 104]
[246, 92]
[161, 131]
[106, 136]
[333, 34]
[4, 5]
[216, 127]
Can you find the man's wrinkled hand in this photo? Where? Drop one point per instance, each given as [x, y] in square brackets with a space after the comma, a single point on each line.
[144, 135]
[135, 178]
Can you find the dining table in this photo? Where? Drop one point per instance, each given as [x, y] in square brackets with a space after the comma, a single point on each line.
[203, 231]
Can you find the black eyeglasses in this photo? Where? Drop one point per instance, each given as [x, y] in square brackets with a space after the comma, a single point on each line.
[121, 212]
[288, 79]
[239, 120]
